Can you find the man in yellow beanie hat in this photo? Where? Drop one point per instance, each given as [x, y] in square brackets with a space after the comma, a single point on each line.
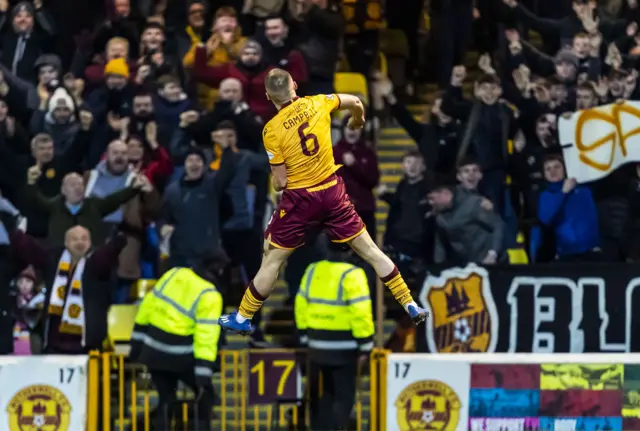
[117, 67]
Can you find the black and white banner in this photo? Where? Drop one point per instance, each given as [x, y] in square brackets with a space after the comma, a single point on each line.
[543, 309]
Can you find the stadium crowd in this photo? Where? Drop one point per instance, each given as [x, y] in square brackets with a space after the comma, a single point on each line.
[133, 130]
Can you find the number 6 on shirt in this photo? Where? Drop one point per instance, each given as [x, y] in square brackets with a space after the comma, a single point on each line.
[304, 138]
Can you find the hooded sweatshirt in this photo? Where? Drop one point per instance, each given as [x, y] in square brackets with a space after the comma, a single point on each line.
[102, 183]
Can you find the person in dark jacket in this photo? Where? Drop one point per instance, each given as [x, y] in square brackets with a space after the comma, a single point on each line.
[26, 34]
[468, 230]
[9, 269]
[570, 210]
[438, 139]
[55, 165]
[360, 173]
[234, 108]
[409, 232]
[121, 21]
[318, 27]
[71, 208]
[490, 124]
[191, 209]
[279, 50]
[566, 28]
[56, 117]
[77, 278]
[169, 103]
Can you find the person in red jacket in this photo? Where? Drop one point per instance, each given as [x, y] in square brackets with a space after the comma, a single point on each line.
[151, 160]
[250, 70]
[360, 173]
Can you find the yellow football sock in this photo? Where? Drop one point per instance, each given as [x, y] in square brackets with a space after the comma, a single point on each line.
[251, 302]
[398, 287]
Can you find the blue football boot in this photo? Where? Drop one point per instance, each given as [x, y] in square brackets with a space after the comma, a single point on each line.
[229, 323]
[417, 314]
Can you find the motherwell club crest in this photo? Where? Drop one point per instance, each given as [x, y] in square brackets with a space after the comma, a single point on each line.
[463, 314]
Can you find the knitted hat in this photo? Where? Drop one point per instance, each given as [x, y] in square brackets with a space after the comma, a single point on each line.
[196, 152]
[60, 99]
[567, 56]
[117, 66]
[48, 60]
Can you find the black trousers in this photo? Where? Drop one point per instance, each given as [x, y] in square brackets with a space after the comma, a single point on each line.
[244, 247]
[332, 395]
[169, 407]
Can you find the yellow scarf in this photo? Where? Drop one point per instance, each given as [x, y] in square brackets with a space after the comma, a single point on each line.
[195, 39]
[217, 152]
[68, 303]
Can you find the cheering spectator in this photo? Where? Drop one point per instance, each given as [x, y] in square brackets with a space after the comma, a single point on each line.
[77, 279]
[169, 103]
[409, 231]
[441, 130]
[231, 107]
[53, 163]
[8, 215]
[71, 208]
[318, 26]
[469, 174]
[26, 34]
[279, 51]
[487, 133]
[117, 48]
[191, 209]
[195, 30]
[148, 157]
[56, 117]
[120, 22]
[468, 230]
[569, 209]
[359, 172]
[113, 176]
[250, 70]
[223, 47]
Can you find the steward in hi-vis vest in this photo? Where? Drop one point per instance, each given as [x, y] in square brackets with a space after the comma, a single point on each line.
[335, 320]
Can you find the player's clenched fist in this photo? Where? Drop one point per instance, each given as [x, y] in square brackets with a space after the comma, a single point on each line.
[355, 123]
[189, 117]
[33, 174]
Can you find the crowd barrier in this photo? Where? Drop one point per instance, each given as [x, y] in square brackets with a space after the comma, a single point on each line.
[264, 390]
[505, 392]
[258, 390]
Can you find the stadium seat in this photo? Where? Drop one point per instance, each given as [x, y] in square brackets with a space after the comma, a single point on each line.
[352, 83]
[141, 288]
[518, 254]
[120, 321]
[382, 64]
[395, 47]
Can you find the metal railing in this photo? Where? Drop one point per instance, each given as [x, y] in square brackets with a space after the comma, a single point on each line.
[258, 390]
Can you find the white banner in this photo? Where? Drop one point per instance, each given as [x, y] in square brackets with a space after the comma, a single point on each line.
[427, 393]
[43, 393]
[595, 142]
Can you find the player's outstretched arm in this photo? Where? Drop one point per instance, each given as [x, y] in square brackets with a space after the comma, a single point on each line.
[353, 105]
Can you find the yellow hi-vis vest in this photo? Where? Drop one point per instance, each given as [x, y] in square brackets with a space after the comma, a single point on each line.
[333, 307]
[177, 322]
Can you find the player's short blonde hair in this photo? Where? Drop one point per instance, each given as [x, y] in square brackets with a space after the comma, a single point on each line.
[278, 85]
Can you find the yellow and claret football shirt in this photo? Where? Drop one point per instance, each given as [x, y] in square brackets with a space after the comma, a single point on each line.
[299, 137]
